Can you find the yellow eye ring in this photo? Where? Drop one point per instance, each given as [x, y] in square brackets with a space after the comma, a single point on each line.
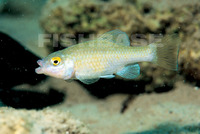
[56, 61]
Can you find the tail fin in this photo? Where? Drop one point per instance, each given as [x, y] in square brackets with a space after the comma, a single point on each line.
[167, 52]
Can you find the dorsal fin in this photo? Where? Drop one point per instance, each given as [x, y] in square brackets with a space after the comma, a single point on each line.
[116, 36]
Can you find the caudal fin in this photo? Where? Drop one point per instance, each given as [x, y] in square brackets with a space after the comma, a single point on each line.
[167, 52]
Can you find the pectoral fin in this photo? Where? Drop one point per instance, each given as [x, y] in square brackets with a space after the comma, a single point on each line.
[130, 72]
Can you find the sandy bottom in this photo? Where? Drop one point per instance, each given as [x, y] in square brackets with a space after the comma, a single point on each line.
[147, 112]
[177, 111]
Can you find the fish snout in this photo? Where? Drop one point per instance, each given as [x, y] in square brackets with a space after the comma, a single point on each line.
[39, 69]
[39, 62]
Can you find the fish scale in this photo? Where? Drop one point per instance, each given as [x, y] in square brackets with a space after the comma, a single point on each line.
[101, 60]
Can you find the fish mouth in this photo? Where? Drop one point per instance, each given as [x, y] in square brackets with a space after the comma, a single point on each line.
[39, 70]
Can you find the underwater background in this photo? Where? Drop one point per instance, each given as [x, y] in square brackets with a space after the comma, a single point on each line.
[160, 101]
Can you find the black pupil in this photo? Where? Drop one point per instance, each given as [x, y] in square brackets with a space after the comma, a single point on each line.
[56, 61]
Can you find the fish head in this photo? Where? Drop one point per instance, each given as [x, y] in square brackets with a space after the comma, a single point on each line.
[56, 65]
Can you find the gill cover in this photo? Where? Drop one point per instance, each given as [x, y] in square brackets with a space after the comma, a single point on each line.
[69, 69]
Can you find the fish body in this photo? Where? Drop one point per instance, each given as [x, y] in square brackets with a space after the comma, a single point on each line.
[107, 56]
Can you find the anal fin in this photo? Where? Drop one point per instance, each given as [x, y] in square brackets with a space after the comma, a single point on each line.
[108, 76]
[129, 72]
[89, 81]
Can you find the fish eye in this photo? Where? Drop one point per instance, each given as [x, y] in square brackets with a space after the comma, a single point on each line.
[56, 61]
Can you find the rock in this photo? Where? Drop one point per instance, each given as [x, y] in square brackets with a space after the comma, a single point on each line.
[47, 121]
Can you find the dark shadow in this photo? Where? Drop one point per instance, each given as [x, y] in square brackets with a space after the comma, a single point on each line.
[163, 89]
[18, 67]
[106, 87]
[126, 103]
[17, 64]
[170, 128]
[29, 99]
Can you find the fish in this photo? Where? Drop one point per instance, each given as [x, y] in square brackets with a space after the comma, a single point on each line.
[108, 56]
